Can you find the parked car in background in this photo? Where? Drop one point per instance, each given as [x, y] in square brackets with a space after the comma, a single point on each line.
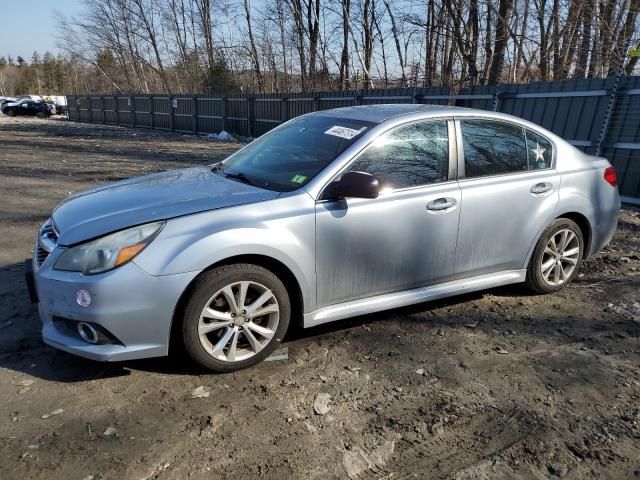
[332, 214]
[27, 107]
[20, 98]
[6, 100]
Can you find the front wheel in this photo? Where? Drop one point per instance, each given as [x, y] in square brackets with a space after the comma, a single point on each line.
[556, 258]
[236, 316]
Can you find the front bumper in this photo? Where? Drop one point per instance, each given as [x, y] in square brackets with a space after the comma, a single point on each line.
[134, 307]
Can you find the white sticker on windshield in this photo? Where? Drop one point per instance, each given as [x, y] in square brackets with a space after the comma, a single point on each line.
[342, 132]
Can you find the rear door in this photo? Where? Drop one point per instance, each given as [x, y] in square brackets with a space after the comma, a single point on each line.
[509, 191]
[406, 237]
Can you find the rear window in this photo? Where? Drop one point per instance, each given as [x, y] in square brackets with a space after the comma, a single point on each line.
[539, 150]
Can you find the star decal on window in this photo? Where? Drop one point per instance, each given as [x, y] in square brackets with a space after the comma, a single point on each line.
[539, 151]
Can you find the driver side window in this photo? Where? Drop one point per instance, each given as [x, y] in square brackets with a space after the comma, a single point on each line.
[409, 156]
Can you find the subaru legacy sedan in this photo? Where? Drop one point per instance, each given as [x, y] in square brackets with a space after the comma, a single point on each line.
[330, 215]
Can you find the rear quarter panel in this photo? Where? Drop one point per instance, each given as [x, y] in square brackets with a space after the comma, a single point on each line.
[583, 190]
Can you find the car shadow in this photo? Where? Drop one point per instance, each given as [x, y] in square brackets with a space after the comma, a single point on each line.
[21, 346]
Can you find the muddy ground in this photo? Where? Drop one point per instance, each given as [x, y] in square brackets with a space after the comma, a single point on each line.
[495, 385]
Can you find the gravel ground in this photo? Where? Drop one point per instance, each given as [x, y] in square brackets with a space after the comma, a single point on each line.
[495, 385]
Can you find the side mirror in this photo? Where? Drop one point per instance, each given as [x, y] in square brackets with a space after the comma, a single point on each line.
[355, 185]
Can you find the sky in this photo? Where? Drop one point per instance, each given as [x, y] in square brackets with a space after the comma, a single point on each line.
[29, 25]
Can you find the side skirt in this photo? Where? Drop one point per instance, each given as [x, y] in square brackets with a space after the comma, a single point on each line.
[410, 297]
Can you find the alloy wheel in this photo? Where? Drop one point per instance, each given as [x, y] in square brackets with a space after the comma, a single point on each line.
[560, 257]
[238, 321]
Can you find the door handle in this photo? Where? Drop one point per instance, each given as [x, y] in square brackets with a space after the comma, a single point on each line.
[540, 188]
[441, 204]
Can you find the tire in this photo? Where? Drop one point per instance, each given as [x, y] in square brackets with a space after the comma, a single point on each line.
[228, 323]
[41, 115]
[543, 275]
[11, 113]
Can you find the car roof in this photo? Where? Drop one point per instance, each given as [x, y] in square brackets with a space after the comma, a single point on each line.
[382, 112]
[410, 111]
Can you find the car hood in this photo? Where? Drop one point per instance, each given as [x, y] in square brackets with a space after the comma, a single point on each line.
[149, 198]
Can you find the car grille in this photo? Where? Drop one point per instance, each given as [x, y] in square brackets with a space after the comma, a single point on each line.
[47, 240]
[41, 255]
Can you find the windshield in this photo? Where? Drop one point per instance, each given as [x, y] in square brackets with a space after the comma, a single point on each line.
[290, 156]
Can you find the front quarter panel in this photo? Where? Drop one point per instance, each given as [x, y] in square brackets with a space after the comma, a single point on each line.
[282, 229]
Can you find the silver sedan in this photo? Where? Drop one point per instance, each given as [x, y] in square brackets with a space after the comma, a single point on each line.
[333, 214]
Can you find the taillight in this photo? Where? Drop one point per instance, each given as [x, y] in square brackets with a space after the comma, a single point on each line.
[610, 176]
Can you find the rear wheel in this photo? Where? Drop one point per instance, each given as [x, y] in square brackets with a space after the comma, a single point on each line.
[556, 258]
[237, 316]
[11, 113]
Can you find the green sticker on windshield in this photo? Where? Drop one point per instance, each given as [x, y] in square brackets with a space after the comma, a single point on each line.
[299, 179]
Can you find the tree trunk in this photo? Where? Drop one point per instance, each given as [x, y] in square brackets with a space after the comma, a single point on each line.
[623, 39]
[296, 7]
[344, 59]
[396, 39]
[367, 38]
[254, 51]
[523, 32]
[502, 36]
[583, 52]
[488, 50]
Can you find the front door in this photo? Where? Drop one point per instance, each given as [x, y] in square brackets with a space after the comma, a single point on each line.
[406, 237]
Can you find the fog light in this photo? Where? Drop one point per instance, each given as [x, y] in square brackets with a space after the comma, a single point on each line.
[83, 298]
[87, 332]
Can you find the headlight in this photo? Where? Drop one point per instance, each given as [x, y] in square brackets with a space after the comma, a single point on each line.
[108, 252]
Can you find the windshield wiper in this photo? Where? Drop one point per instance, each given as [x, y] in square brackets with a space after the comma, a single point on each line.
[240, 176]
[218, 167]
[246, 179]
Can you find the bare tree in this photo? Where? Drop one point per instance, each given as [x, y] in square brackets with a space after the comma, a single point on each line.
[288, 45]
[254, 51]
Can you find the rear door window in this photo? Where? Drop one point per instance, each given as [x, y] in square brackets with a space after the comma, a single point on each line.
[493, 148]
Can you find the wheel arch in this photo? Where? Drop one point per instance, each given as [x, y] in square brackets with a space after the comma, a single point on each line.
[281, 270]
[581, 220]
[585, 227]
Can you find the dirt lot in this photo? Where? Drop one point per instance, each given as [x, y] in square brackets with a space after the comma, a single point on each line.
[495, 385]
